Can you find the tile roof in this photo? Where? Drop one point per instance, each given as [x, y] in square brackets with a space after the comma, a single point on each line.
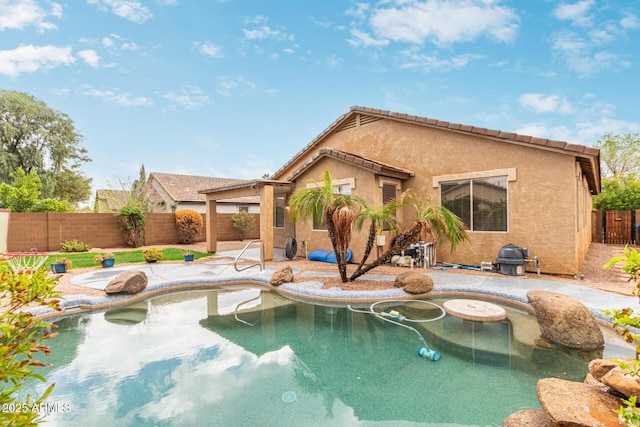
[589, 157]
[363, 162]
[112, 200]
[184, 188]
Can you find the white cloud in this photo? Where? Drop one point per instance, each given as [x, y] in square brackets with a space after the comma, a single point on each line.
[443, 22]
[234, 86]
[262, 31]
[427, 63]
[90, 57]
[132, 10]
[360, 38]
[16, 15]
[189, 97]
[577, 13]
[107, 42]
[630, 21]
[210, 49]
[578, 53]
[541, 103]
[124, 99]
[29, 58]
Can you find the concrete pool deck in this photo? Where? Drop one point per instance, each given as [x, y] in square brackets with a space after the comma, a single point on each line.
[170, 276]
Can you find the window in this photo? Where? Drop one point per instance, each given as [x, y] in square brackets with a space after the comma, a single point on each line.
[278, 214]
[388, 194]
[243, 209]
[337, 189]
[481, 203]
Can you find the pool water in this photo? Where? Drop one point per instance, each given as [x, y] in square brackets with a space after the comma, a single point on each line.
[241, 356]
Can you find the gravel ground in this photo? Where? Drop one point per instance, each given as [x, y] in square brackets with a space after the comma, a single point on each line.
[591, 273]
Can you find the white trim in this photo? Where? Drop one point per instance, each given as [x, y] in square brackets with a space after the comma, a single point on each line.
[510, 173]
[336, 182]
[391, 181]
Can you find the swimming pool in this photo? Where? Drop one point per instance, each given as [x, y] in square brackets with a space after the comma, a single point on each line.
[245, 356]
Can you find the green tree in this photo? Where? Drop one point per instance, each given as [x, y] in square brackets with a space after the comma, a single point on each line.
[21, 341]
[35, 137]
[620, 154]
[338, 211]
[243, 222]
[24, 195]
[132, 222]
[618, 193]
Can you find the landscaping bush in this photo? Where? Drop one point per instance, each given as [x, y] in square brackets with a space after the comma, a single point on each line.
[243, 222]
[189, 224]
[152, 254]
[74, 246]
[132, 220]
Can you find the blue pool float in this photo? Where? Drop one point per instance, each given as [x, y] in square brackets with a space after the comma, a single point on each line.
[326, 256]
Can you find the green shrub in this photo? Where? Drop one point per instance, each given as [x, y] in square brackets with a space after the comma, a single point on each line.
[132, 221]
[21, 342]
[74, 246]
[152, 253]
[189, 224]
[243, 222]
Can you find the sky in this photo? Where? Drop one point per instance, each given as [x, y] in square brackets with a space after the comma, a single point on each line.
[236, 88]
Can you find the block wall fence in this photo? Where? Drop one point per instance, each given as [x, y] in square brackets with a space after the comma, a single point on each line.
[46, 231]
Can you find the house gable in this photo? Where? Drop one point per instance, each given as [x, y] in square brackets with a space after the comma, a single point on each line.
[587, 157]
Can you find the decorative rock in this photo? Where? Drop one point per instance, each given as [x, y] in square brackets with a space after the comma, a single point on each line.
[282, 275]
[127, 282]
[620, 380]
[566, 321]
[568, 403]
[414, 283]
[527, 417]
[600, 367]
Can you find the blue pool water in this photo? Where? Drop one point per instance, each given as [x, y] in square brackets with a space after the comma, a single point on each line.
[245, 357]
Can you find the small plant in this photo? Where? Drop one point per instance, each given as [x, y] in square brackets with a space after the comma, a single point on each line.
[66, 261]
[629, 413]
[189, 224]
[187, 252]
[243, 222]
[152, 254]
[103, 257]
[74, 246]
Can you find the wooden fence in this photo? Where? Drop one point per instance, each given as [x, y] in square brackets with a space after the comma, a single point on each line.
[46, 231]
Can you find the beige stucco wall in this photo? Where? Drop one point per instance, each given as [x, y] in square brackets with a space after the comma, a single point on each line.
[545, 196]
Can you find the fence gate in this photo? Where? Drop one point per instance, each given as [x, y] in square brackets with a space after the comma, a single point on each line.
[619, 227]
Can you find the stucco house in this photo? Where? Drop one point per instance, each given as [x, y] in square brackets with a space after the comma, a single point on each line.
[172, 192]
[508, 188]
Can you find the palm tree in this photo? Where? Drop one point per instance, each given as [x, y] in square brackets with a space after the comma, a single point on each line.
[435, 220]
[377, 218]
[318, 203]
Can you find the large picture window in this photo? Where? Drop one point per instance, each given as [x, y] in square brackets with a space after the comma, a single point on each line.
[481, 203]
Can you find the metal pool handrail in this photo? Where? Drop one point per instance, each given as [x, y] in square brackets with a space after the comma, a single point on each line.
[261, 264]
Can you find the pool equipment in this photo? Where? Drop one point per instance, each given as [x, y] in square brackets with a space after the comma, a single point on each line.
[395, 317]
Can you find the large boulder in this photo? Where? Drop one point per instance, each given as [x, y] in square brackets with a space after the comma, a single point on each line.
[127, 282]
[282, 275]
[414, 282]
[565, 320]
[568, 403]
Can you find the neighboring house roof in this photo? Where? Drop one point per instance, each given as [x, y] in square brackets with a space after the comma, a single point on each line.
[363, 162]
[185, 188]
[112, 200]
[588, 157]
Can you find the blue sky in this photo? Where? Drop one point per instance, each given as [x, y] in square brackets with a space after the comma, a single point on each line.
[235, 88]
